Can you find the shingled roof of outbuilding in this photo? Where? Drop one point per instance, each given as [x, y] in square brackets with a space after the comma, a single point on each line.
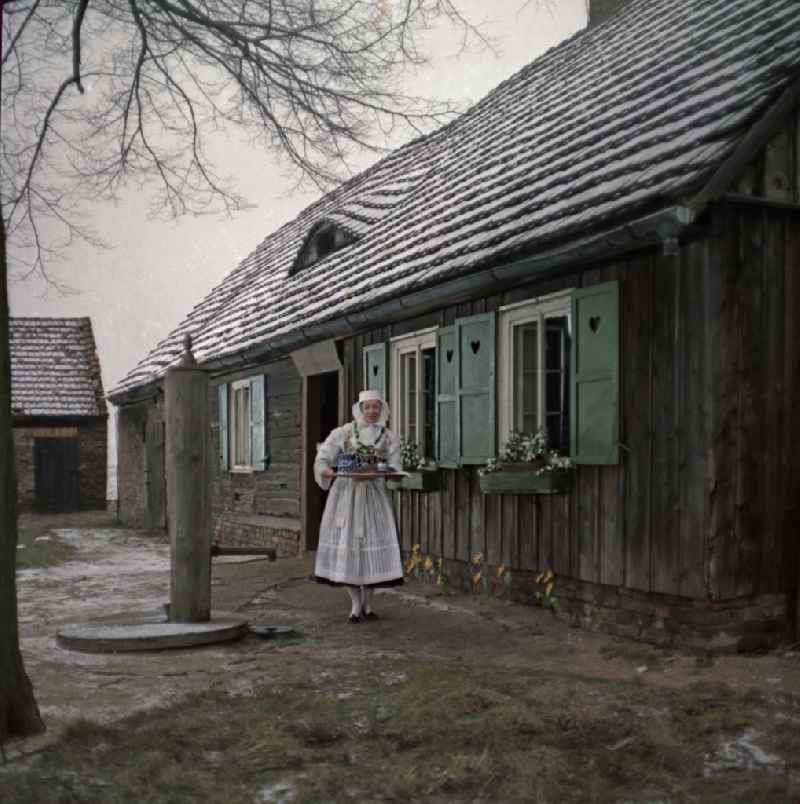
[618, 121]
[55, 370]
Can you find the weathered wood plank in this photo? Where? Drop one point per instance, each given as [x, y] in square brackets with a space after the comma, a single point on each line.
[448, 513]
[612, 556]
[560, 533]
[666, 333]
[588, 541]
[693, 435]
[745, 558]
[494, 529]
[722, 370]
[544, 511]
[775, 412]
[790, 466]
[779, 166]
[636, 432]
[462, 516]
[509, 506]
[522, 542]
[477, 525]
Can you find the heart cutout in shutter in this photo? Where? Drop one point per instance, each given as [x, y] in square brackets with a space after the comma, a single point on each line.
[475, 346]
[375, 371]
[449, 355]
[594, 323]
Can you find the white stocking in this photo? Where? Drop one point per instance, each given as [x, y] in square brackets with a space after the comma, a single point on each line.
[366, 597]
[355, 599]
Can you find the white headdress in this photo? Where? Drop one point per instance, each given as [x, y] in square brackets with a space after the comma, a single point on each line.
[358, 413]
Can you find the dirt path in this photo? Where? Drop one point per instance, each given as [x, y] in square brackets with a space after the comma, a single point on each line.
[118, 571]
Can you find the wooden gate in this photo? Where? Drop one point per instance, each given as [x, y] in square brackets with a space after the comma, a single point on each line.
[56, 480]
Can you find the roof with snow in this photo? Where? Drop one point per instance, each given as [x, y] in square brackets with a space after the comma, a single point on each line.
[54, 368]
[619, 120]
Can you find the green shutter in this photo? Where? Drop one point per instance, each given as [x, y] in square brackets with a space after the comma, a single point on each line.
[222, 406]
[446, 398]
[376, 368]
[594, 371]
[258, 423]
[475, 351]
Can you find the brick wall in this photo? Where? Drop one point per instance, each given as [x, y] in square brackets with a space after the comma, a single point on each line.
[92, 438]
[93, 463]
[259, 531]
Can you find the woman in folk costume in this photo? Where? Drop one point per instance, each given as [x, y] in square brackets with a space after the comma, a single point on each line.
[358, 545]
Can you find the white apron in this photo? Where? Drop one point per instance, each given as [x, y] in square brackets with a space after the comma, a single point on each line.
[358, 543]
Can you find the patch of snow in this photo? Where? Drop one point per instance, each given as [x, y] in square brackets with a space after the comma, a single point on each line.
[43, 539]
[390, 679]
[280, 791]
[741, 753]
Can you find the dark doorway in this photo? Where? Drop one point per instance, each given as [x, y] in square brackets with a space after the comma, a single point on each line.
[55, 467]
[321, 415]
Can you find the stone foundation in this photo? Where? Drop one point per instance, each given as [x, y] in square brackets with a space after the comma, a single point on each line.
[254, 530]
[734, 625]
[719, 626]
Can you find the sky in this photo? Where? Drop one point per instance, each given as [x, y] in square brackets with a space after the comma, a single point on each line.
[154, 271]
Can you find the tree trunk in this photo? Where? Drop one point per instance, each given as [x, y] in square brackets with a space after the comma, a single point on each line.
[19, 714]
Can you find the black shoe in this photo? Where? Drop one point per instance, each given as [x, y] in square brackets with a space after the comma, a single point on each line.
[370, 615]
[353, 619]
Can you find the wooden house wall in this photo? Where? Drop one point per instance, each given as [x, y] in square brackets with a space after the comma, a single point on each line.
[698, 503]
[276, 491]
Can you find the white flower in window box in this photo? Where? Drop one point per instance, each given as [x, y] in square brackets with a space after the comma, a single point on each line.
[526, 466]
[420, 476]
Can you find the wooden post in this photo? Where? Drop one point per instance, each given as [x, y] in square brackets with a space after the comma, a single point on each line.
[188, 490]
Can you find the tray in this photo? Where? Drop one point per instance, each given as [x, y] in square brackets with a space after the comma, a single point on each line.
[372, 475]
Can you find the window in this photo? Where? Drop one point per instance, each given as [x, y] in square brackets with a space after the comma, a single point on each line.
[413, 362]
[534, 354]
[242, 425]
[323, 239]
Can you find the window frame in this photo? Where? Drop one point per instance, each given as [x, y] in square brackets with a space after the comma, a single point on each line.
[412, 343]
[243, 468]
[511, 316]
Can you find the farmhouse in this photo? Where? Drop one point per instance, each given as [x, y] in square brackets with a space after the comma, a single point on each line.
[606, 247]
[59, 412]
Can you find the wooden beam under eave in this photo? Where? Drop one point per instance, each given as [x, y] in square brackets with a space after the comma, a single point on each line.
[762, 131]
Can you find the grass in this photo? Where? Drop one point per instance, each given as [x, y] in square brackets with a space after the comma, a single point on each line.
[421, 731]
[37, 544]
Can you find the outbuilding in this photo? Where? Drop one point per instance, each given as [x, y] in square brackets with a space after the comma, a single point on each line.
[606, 248]
[59, 415]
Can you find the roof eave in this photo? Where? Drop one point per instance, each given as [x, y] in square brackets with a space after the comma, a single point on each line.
[651, 230]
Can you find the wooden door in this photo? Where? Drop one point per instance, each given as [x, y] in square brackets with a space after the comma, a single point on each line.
[320, 416]
[56, 479]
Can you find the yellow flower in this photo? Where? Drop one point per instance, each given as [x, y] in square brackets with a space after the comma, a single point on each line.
[415, 548]
[411, 563]
[428, 564]
[548, 576]
[439, 580]
[439, 563]
[500, 570]
[476, 578]
[477, 558]
[548, 589]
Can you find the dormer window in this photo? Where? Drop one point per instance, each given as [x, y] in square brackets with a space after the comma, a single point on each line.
[324, 239]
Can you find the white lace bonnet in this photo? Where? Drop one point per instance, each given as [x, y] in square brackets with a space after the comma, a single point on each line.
[358, 413]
